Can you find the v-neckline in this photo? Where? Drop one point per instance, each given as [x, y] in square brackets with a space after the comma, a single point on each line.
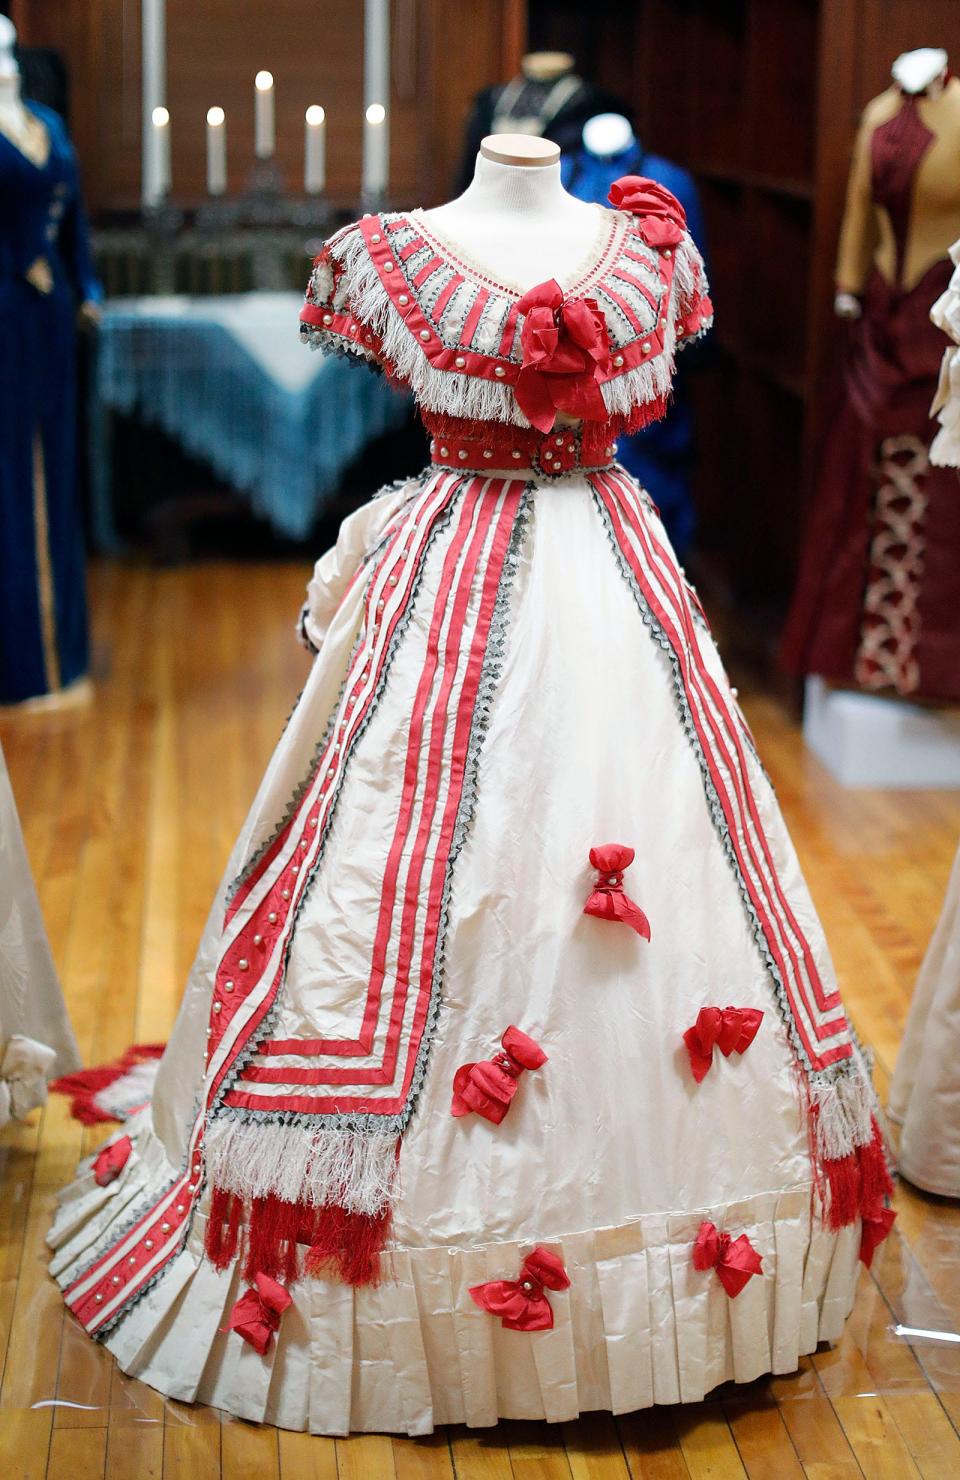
[589, 269]
[39, 124]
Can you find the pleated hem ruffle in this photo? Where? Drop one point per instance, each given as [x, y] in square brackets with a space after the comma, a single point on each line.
[638, 1325]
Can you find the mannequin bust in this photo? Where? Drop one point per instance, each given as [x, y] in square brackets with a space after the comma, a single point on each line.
[19, 124]
[607, 134]
[546, 66]
[515, 220]
[867, 238]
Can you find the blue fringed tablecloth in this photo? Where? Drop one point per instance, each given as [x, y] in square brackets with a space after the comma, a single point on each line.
[229, 380]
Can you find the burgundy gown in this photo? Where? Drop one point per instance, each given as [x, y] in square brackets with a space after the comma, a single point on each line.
[881, 612]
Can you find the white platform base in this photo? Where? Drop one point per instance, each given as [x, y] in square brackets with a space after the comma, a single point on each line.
[865, 740]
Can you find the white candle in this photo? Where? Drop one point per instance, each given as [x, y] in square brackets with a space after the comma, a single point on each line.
[216, 151]
[160, 123]
[265, 136]
[376, 96]
[315, 151]
[376, 141]
[153, 90]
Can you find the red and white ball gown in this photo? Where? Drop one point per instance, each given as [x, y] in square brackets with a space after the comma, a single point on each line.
[512, 1078]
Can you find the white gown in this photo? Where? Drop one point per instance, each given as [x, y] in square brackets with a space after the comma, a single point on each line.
[925, 1089]
[511, 671]
[36, 1040]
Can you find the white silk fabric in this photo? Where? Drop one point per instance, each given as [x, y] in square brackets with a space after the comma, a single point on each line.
[611, 1153]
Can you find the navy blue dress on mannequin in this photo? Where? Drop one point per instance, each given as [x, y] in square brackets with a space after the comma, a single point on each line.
[45, 272]
[661, 456]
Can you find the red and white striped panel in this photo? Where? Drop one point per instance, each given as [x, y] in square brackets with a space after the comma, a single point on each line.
[368, 1068]
[822, 1030]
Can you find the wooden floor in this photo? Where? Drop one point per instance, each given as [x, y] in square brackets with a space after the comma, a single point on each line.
[129, 809]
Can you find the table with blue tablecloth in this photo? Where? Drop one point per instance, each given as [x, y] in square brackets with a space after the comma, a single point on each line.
[228, 379]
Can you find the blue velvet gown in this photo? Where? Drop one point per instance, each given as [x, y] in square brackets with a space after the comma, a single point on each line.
[43, 615]
[661, 456]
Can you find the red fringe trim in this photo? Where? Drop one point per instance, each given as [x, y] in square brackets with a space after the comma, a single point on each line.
[223, 1228]
[335, 1241]
[858, 1183]
[84, 1086]
[348, 1244]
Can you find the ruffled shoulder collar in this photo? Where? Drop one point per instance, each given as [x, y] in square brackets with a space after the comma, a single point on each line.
[388, 289]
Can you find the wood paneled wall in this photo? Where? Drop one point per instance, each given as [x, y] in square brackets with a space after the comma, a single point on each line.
[443, 51]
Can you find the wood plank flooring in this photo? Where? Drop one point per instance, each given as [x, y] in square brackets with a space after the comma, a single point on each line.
[129, 808]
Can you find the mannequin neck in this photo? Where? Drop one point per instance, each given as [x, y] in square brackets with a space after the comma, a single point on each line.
[10, 90]
[516, 190]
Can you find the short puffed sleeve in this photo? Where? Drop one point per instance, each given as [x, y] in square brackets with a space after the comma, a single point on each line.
[344, 300]
[661, 222]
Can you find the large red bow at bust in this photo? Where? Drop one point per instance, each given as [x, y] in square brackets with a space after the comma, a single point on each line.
[110, 1162]
[608, 900]
[661, 217]
[565, 346]
[731, 1029]
[522, 1304]
[735, 1260]
[256, 1315]
[488, 1088]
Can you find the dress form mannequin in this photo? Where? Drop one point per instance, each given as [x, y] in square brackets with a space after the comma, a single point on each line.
[880, 614]
[17, 122]
[515, 219]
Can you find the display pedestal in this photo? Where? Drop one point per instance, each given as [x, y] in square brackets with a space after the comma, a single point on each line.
[865, 740]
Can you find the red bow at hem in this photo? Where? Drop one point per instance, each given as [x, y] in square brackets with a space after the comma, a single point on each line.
[731, 1029]
[110, 1162]
[256, 1315]
[662, 218]
[874, 1227]
[488, 1088]
[565, 346]
[522, 1304]
[608, 900]
[735, 1260]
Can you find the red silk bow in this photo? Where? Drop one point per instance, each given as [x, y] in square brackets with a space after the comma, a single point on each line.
[735, 1260]
[608, 901]
[111, 1161]
[488, 1088]
[521, 1304]
[564, 343]
[662, 217]
[731, 1029]
[874, 1228]
[256, 1315]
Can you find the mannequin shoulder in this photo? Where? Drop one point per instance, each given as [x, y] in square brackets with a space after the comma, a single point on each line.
[881, 109]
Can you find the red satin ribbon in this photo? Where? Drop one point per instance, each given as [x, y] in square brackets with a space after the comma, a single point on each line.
[111, 1161]
[256, 1315]
[661, 216]
[735, 1260]
[874, 1228]
[565, 347]
[488, 1088]
[731, 1029]
[608, 900]
[522, 1304]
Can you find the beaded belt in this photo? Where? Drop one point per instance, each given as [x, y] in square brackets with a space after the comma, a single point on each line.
[551, 455]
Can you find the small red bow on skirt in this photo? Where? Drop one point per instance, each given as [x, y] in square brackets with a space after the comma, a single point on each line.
[521, 1304]
[256, 1314]
[661, 216]
[874, 1227]
[608, 901]
[565, 346]
[735, 1260]
[731, 1029]
[488, 1088]
[111, 1161]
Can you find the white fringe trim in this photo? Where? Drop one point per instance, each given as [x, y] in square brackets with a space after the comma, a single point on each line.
[844, 1108]
[299, 1164]
[128, 1093]
[469, 396]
